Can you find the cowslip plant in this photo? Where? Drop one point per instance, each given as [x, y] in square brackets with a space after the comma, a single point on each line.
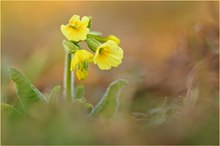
[102, 51]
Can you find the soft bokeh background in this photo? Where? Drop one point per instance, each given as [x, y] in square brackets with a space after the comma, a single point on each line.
[164, 42]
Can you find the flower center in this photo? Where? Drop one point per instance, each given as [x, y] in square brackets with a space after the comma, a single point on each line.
[104, 51]
[101, 50]
[75, 25]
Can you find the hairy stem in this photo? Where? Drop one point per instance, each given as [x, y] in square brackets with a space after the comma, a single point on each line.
[68, 78]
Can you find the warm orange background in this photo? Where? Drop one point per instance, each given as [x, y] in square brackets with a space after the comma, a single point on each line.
[150, 32]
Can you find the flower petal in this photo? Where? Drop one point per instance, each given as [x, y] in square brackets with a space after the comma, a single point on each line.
[74, 18]
[82, 72]
[74, 62]
[84, 55]
[85, 20]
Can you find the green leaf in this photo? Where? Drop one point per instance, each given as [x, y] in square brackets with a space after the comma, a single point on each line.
[83, 102]
[79, 93]
[7, 108]
[54, 94]
[80, 97]
[27, 93]
[108, 106]
[159, 114]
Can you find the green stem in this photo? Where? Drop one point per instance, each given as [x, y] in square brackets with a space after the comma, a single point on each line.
[68, 78]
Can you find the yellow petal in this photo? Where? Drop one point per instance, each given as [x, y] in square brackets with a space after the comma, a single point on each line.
[74, 18]
[114, 62]
[106, 65]
[82, 33]
[74, 62]
[85, 20]
[113, 38]
[79, 57]
[70, 33]
[117, 53]
[81, 73]
[84, 55]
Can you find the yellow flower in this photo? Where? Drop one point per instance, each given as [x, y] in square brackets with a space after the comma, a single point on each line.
[108, 55]
[113, 38]
[79, 63]
[82, 71]
[76, 29]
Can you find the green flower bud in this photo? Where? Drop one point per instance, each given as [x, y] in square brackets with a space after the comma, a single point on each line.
[93, 44]
[70, 47]
[90, 22]
[101, 39]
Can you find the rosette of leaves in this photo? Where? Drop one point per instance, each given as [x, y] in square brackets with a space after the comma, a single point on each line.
[28, 95]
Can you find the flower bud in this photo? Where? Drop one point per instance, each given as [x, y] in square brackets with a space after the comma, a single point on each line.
[70, 47]
[93, 44]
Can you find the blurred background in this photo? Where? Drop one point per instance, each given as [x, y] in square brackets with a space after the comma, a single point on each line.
[170, 49]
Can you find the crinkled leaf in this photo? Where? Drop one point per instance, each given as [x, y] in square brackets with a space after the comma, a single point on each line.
[27, 92]
[108, 106]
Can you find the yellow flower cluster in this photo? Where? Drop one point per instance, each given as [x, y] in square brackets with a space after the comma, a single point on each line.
[107, 53]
